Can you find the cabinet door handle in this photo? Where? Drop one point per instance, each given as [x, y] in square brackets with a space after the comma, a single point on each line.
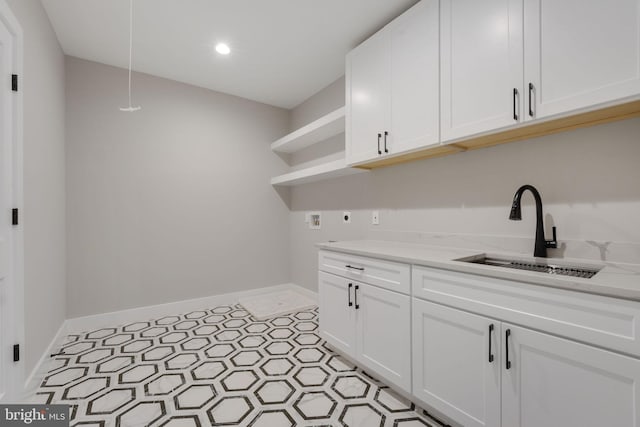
[385, 141]
[349, 292]
[531, 88]
[515, 104]
[507, 334]
[354, 268]
[490, 334]
[356, 296]
[379, 136]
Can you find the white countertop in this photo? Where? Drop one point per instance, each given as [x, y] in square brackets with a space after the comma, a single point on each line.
[614, 280]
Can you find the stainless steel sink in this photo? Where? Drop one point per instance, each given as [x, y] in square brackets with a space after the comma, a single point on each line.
[585, 272]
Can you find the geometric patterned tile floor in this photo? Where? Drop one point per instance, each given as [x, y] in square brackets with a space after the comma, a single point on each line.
[218, 367]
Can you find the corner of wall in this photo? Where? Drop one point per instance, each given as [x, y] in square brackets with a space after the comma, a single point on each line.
[44, 138]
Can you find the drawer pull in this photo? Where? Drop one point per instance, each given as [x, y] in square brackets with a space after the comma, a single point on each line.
[354, 268]
[386, 134]
[490, 339]
[379, 136]
[531, 88]
[349, 292]
[356, 296]
[506, 345]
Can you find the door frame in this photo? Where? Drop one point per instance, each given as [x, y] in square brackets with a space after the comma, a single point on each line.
[14, 327]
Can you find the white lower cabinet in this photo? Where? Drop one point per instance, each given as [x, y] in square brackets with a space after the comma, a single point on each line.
[383, 334]
[525, 379]
[555, 382]
[456, 363]
[338, 325]
[369, 324]
[450, 339]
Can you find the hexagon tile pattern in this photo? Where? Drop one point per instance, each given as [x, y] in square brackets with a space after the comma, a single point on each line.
[219, 367]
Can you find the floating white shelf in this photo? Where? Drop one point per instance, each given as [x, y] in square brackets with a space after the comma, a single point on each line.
[320, 172]
[324, 128]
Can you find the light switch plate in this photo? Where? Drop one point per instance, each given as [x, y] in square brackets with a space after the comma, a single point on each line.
[346, 217]
[375, 218]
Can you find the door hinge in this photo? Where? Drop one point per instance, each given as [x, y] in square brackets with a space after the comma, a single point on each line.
[14, 82]
[14, 216]
[16, 352]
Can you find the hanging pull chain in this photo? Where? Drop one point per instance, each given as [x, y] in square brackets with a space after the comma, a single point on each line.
[130, 108]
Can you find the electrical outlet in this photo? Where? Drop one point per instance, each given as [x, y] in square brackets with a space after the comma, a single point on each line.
[346, 217]
[375, 218]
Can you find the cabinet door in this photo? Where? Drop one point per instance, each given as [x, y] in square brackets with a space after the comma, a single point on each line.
[337, 317]
[481, 66]
[415, 78]
[384, 334]
[580, 53]
[368, 98]
[554, 382]
[452, 369]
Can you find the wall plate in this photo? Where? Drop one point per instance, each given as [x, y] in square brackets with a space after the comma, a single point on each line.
[315, 220]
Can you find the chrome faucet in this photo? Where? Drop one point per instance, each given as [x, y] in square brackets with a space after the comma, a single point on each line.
[541, 246]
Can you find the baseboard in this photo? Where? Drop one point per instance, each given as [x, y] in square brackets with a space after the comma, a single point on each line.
[304, 291]
[88, 323]
[41, 369]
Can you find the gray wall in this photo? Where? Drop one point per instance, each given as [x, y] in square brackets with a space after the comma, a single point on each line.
[588, 179]
[328, 99]
[44, 179]
[171, 202]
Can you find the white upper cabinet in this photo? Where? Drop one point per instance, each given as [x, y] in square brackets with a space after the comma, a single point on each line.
[580, 53]
[415, 78]
[481, 66]
[450, 71]
[368, 98]
[393, 87]
[504, 62]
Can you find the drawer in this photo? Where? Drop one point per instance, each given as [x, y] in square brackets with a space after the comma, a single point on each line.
[603, 321]
[390, 275]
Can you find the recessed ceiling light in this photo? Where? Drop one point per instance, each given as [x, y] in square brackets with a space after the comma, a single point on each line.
[223, 49]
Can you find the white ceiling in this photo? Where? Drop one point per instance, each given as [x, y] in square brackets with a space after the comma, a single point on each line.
[283, 51]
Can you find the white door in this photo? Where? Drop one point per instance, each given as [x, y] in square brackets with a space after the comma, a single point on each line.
[337, 312]
[456, 363]
[481, 66]
[10, 332]
[554, 382]
[384, 333]
[580, 53]
[368, 98]
[415, 78]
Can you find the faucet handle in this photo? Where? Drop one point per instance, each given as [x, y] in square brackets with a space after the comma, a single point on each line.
[553, 244]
